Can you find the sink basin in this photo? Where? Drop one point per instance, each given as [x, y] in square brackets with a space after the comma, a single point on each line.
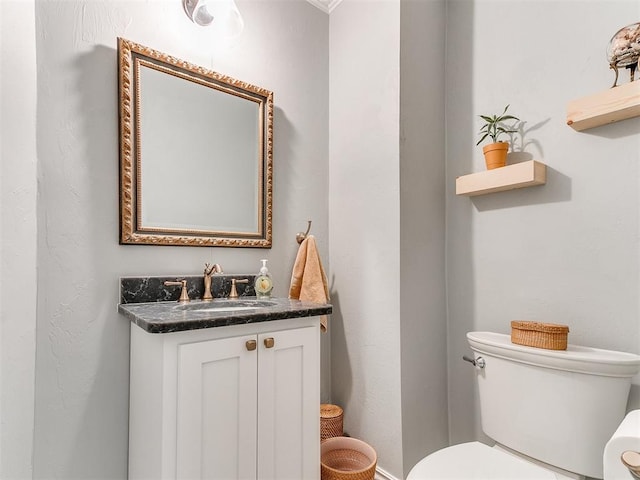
[224, 306]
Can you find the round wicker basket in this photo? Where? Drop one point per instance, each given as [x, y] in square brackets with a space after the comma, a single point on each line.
[346, 458]
[330, 421]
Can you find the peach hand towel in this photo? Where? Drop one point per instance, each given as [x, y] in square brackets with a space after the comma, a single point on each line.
[308, 281]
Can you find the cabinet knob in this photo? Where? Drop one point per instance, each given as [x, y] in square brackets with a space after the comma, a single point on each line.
[269, 342]
[251, 345]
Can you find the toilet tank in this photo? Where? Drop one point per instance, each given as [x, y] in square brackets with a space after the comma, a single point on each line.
[557, 406]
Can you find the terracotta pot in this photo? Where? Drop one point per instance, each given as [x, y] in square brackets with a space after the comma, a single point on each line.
[495, 154]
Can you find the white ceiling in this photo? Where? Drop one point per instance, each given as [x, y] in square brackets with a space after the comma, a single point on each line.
[325, 5]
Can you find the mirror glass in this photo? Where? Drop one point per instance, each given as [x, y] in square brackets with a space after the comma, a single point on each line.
[195, 154]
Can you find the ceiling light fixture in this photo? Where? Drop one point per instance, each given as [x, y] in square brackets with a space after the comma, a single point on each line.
[224, 13]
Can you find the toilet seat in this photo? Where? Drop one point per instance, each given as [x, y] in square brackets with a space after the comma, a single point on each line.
[477, 461]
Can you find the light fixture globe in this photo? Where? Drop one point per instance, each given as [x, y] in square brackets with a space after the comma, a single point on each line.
[225, 13]
[199, 11]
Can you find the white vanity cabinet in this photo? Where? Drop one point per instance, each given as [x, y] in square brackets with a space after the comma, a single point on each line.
[235, 402]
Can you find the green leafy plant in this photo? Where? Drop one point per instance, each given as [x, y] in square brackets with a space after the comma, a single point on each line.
[494, 127]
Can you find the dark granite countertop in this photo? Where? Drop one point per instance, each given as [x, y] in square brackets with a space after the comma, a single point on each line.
[166, 317]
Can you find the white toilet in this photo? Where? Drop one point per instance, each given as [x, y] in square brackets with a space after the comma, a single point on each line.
[551, 412]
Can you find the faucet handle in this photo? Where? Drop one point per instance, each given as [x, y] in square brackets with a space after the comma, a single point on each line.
[233, 294]
[184, 295]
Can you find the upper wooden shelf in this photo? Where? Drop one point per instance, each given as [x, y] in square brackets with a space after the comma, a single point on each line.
[518, 175]
[609, 106]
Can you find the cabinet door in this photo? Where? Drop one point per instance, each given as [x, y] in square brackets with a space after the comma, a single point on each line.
[289, 405]
[216, 409]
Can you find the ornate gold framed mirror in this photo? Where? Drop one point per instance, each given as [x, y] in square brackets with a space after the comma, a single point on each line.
[196, 152]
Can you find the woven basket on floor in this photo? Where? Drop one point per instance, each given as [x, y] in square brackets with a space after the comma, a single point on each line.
[330, 421]
[540, 335]
[346, 458]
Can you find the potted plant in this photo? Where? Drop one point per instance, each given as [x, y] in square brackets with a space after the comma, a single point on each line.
[495, 154]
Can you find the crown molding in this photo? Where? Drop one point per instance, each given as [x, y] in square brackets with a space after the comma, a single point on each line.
[326, 6]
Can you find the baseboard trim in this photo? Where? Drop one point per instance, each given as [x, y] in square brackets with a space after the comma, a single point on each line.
[384, 475]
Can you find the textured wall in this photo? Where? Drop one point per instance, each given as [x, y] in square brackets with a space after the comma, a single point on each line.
[387, 249]
[567, 252]
[364, 208]
[423, 317]
[17, 236]
[83, 344]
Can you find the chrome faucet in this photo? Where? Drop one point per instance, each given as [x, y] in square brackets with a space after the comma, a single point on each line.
[209, 270]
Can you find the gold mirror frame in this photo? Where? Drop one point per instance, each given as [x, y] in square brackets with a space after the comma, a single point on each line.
[130, 56]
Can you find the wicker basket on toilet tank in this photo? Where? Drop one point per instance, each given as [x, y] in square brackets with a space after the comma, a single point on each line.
[540, 335]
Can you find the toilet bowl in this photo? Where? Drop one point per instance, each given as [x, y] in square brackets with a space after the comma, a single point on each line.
[477, 461]
[550, 412]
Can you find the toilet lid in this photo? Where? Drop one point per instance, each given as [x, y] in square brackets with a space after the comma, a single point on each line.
[476, 461]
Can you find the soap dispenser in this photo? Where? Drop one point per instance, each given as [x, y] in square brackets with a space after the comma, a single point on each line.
[263, 284]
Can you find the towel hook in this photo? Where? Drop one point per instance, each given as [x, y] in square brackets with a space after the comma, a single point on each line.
[301, 236]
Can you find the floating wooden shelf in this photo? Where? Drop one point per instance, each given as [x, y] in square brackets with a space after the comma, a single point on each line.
[610, 106]
[519, 175]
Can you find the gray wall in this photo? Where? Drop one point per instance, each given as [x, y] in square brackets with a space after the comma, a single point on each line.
[18, 187]
[81, 407]
[364, 208]
[423, 316]
[387, 207]
[567, 252]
